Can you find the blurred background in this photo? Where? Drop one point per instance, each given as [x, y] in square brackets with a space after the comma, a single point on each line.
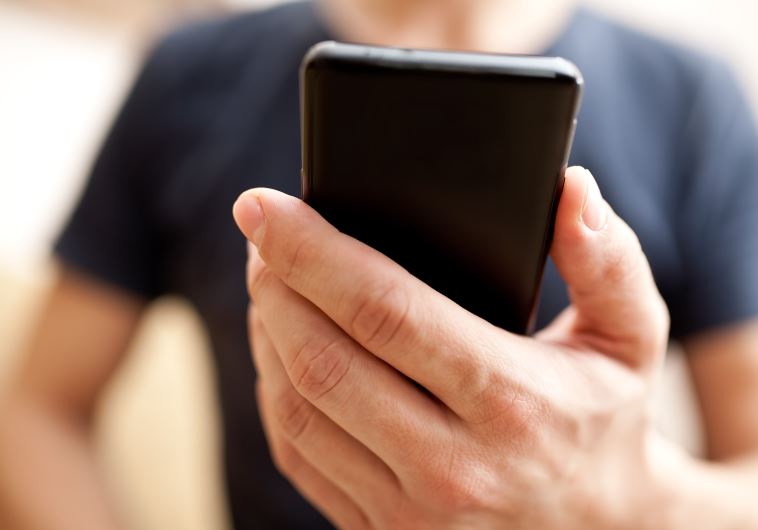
[65, 65]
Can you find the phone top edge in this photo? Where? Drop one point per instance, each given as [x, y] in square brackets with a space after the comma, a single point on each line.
[443, 60]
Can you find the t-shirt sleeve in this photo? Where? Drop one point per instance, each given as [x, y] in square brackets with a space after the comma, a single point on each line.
[718, 209]
[112, 233]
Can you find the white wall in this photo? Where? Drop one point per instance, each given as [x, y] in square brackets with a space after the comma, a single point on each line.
[60, 82]
[62, 78]
[725, 27]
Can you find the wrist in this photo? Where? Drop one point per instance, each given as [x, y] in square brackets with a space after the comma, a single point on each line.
[631, 491]
[686, 492]
[646, 492]
[670, 473]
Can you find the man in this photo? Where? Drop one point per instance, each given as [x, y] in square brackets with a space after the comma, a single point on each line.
[544, 432]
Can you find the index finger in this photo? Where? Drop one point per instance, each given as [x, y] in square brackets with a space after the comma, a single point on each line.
[384, 308]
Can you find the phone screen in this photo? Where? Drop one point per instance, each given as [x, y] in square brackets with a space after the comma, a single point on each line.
[454, 175]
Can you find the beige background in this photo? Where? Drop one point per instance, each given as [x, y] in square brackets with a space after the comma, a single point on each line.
[64, 68]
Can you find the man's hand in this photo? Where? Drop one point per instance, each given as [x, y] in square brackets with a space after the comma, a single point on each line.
[389, 406]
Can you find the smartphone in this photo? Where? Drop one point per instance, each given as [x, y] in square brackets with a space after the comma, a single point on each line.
[449, 163]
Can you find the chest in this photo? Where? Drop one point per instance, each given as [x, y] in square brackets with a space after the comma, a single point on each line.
[258, 144]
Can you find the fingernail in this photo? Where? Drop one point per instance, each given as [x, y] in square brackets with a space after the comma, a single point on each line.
[250, 217]
[595, 209]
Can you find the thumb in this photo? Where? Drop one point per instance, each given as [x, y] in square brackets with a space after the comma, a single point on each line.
[616, 307]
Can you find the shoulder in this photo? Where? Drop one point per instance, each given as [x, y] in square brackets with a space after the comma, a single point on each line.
[654, 96]
[696, 92]
[667, 78]
[216, 51]
[644, 54]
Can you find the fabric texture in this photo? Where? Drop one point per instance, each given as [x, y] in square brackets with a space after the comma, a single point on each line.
[215, 110]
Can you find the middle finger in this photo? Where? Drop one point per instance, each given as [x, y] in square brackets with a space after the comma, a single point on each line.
[363, 395]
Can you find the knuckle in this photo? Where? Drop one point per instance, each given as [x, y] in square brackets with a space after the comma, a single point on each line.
[616, 268]
[382, 317]
[454, 494]
[406, 516]
[293, 413]
[624, 256]
[526, 416]
[285, 458]
[458, 486]
[257, 280]
[255, 320]
[298, 256]
[510, 410]
[320, 366]
[486, 401]
[626, 267]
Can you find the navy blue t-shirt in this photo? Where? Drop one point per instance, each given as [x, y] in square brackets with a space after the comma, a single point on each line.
[666, 132]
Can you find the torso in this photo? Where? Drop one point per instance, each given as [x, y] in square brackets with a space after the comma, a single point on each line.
[240, 128]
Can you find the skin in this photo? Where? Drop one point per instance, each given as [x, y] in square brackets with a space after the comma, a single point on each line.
[499, 430]
[46, 453]
[514, 26]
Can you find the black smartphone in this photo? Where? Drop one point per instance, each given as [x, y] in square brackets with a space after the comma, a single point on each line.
[449, 163]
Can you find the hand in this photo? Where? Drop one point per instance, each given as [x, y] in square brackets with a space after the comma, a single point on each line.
[391, 407]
